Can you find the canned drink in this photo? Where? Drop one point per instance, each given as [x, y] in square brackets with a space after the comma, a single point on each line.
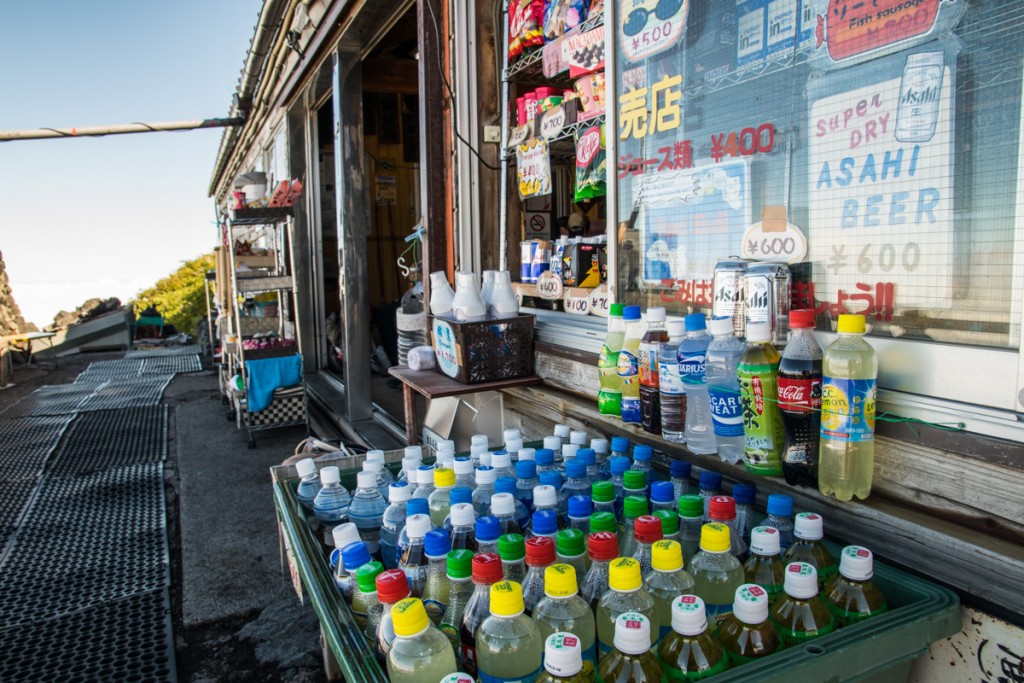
[728, 301]
[541, 259]
[526, 251]
[766, 295]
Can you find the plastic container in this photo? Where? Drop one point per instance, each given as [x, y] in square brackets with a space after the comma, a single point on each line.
[603, 547]
[745, 495]
[800, 614]
[392, 522]
[667, 580]
[626, 593]
[679, 472]
[485, 478]
[420, 652]
[691, 519]
[512, 551]
[414, 560]
[462, 519]
[309, 482]
[563, 660]
[460, 589]
[852, 596]
[650, 345]
[764, 434]
[643, 455]
[629, 365]
[690, 651]
[747, 635]
[364, 598]
[716, 572]
[723, 357]
[486, 572]
[808, 546]
[562, 609]
[571, 549]
[632, 660]
[580, 509]
[700, 433]
[526, 479]
[392, 586]
[366, 510]
[437, 545]
[330, 505]
[722, 509]
[669, 524]
[509, 645]
[540, 554]
[710, 485]
[800, 399]
[632, 507]
[488, 531]
[765, 566]
[670, 384]
[647, 531]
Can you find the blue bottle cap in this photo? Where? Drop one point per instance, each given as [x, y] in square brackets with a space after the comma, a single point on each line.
[586, 456]
[526, 469]
[643, 452]
[695, 321]
[488, 528]
[551, 478]
[620, 444]
[619, 464]
[680, 468]
[417, 506]
[580, 506]
[780, 505]
[711, 481]
[544, 456]
[354, 556]
[744, 493]
[505, 485]
[544, 522]
[460, 494]
[574, 469]
[437, 543]
[662, 492]
[630, 312]
[425, 468]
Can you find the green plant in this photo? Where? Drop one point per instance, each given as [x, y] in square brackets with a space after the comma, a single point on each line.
[179, 297]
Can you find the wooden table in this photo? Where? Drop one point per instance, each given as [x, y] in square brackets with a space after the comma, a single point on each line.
[26, 338]
[432, 384]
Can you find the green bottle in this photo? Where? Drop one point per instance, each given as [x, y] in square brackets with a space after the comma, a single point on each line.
[763, 429]
[459, 566]
[690, 652]
[632, 660]
[563, 661]
[764, 566]
[609, 398]
[853, 596]
[364, 598]
[808, 530]
[800, 614]
[747, 635]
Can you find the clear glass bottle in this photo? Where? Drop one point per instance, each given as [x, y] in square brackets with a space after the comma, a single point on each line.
[392, 586]
[392, 522]
[667, 580]
[626, 593]
[485, 478]
[526, 479]
[439, 500]
[562, 609]
[540, 554]
[800, 614]
[563, 660]
[669, 524]
[330, 505]
[602, 496]
[570, 549]
[488, 531]
[746, 634]
[646, 532]
[691, 519]
[580, 509]
[853, 596]
[679, 473]
[780, 516]
[344, 535]
[424, 482]
[808, 532]
[662, 496]
[462, 520]
[437, 545]
[710, 485]
[366, 511]
[414, 556]
[632, 507]
[508, 643]
[722, 509]
[603, 548]
[460, 588]
[486, 572]
[744, 495]
[690, 651]
[765, 566]
[364, 597]
[309, 483]
[419, 652]
[716, 572]
[512, 551]
[503, 507]
[633, 659]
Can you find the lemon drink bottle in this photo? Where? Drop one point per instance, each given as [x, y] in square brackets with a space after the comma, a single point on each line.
[667, 581]
[808, 530]
[669, 524]
[563, 660]
[747, 634]
[722, 509]
[420, 652]
[765, 566]
[392, 586]
[800, 614]
[690, 652]
[629, 365]
[562, 609]
[460, 589]
[435, 591]
[763, 429]
[847, 448]
[603, 548]
[716, 572]
[366, 577]
[633, 659]
[626, 593]
[440, 501]
[646, 531]
[486, 572]
[570, 549]
[853, 596]
[509, 646]
[540, 554]
[609, 398]
[512, 551]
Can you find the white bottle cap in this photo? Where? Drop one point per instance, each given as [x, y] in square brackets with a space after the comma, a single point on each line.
[561, 431]
[414, 452]
[689, 618]
[305, 467]
[545, 496]
[578, 438]
[527, 454]
[463, 514]
[485, 475]
[552, 443]
[562, 654]
[462, 466]
[446, 460]
[514, 445]
[501, 461]
[599, 446]
[632, 633]
[417, 526]
[856, 563]
[343, 534]
[751, 604]
[801, 580]
[511, 434]
[374, 466]
[366, 480]
[485, 458]
[677, 328]
[656, 314]
[764, 540]
[808, 526]
[479, 440]
[446, 445]
[503, 504]
[399, 492]
[425, 475]
[409, 465]
[375, 454]
[569, 451]
[330, 475]
[720, 326]
[758, 332]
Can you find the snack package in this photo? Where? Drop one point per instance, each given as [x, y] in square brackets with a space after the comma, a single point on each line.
[590, 163]
[590, 90]
[525, 25]
[561, 16]
[596, 7]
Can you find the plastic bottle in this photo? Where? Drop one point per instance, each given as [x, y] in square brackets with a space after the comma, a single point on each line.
[602, 496]
[392, 586]
[603, 547]
[545, 459]
[847, 448]
[464, 472]
[364, 600]
[488, 531]
[588, 456]
[647, 531]
[367, 510]
[618, 466]
[424, 482]
[540, 554]
[662, 496]
[570, 549]
[521, 514]
[609, 398]
[780, 516]
[408, 473]
[765, 566]
[650, 346]
[800, 614]
[553, 478]
[486, 572]
[690, 652]
[669, 524]
[459, 494]
[629, 365]
[509, 646]
[436, 545]
[667, 580]
[526, 479]
[634, 483]
[744, 495]
[309, 483]
[763, 432]
[722, 509]
[528, 454]
[852, 596]
[580, 509]
[716, 572]
[724, 353]
[392, 522]
[460, 588]
[545, 498]
[503, 506]
[700, 433]
[601, 448]
[747, 635]
[578, 437]
[632, 660]
[563, 610]
[670, 385]
[710, 485]
[642, 456]
[619, 449]
[330, 505]
[544, 524]
[563, 660]
[377, 468]
[800, 399]
[419, 652]
[343, 536]
[626, 593]
[604, 521]
[513, 446]
[502, 463]
[413, 560]
[416, 506]
[512, 550]
[691, 519]
[485, 478]
[632, 507]
[808, 532]
[679, 472]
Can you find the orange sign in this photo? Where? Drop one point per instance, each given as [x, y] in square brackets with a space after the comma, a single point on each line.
[854, 28]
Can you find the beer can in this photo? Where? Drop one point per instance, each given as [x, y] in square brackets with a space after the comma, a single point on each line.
[766, 296]
[728, 301]
[541, 259]
[526, 251]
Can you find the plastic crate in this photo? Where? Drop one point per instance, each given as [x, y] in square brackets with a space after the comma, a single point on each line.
[484, 351]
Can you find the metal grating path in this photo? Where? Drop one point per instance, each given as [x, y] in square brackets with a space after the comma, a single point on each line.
[26, 443]
[113, 438]
[146, 390]
[171, 365]
[62, 399]
[100, 371]
[160, 352]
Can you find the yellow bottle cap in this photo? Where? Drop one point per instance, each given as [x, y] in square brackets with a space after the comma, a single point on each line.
[714, 538]
[624, 574]
[560, 580]
[667, 556]
[409, 617]
[444, 477]
[850, 323]
[507, 599]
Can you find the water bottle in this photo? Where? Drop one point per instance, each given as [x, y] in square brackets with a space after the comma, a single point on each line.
[723, 357]
[488, 530]
[744, 495]
[562, 432]
[679, 471]
[650, 345]
[414, 506]
[419, 652]
[576, 483]
[392, 522]
[503, 506]
[309, 483]
[513, 446]
[526, 479]
[722, 510]
[554, 480]
[377, 470]
[670, 384]
[464, 472]
[568, 453]
[411, 320]
[609, 398]
[763, 432]
[528, 454]
[618, 466]
[408, 473]
[501, 461]
[580, 509]
[424, 482]
[663, 496]
[377, 455]
[602, 495]
[642, 456]
[459, 494]
[545, 498]
[508, 485]
[629, 365]
[545, 459]
[691, 519]
[700, 434]
[344, 535]
[601, 448]
[619, 448]
[485, 478]
[589, 458]
[578, 437]
[414, 556]
[710, 485]
[847, 448]
[462, 520]
[332, 500]
[780, 516]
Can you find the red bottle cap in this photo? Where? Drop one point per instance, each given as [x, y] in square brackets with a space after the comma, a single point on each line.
[722, 508]
[801, 317]
[392, 586]
[604, 546]
[647, 529]
[487, 568]
[540, 551]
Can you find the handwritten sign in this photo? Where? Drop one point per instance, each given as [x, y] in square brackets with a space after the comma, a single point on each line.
[387, 191]
[552, 122]
[445, 348]
[577, 301]
[549, 286]
[644, 28]
[533, 168]
[600, 301]
[783, 243]
[518, 135]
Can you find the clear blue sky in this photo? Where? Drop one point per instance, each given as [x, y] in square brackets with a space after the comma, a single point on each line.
[109, 216]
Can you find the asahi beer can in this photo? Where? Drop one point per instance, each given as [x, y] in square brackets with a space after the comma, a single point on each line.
[527, 249]
[728, 301]
[766, 294]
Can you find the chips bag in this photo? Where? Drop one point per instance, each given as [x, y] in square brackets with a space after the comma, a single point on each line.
[561, 16]
[525, 25]
[590, 163]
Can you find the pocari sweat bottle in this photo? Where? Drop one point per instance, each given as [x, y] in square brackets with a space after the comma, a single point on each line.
[723, 357]
[700, 434]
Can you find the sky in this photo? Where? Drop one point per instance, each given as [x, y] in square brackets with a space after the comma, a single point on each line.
[102, 217]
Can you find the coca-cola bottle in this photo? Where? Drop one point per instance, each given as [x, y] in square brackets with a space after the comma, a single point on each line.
[800, 399]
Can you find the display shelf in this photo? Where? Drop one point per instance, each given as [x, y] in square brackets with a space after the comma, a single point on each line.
[529, 66]
[276, 214]
[568, 133]
[251, 284]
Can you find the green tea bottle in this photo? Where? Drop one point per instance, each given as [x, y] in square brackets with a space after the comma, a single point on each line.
[747, 635]
[808, 530]
[632, 660]
[764, 566]
[690, 652]
[563, 661]
[853, 596]
[800, 614]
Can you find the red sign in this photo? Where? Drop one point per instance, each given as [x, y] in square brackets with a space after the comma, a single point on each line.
[854, 28]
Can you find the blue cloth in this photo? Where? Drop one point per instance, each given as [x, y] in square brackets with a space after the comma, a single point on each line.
[267, 374]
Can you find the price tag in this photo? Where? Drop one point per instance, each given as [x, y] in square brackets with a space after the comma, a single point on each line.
[518, 134]
[600, 301]
[787, 244]
[549, 286]
[551, 122]
[577, 301]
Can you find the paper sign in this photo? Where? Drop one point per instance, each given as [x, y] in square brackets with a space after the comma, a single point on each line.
[549, 286]
[533, 168]
[387, 191]
[445, 348]
[552, 122]
[647, 27]
[600, 301]
[518, 135]
[771, 241]
[577, 301]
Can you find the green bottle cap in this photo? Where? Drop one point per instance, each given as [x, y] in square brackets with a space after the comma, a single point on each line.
[366, 576]
[669, 521]
[511, 547]
[570, 542]
[460, 564]
[603, 521]
[634, 506]
[615, 310]
[634, 479]
[691, 505]
[602, 492]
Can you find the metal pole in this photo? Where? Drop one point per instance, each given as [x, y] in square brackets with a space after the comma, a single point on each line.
[118, 129]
